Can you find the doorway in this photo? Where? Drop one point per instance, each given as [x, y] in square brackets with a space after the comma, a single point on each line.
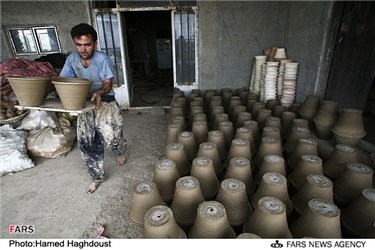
[149, 46]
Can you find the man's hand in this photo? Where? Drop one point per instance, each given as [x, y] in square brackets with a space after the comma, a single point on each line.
[97, 98]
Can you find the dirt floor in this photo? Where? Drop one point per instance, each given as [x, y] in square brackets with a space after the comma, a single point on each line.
[51, 197]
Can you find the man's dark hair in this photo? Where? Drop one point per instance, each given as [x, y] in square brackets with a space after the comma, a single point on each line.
[83, 29]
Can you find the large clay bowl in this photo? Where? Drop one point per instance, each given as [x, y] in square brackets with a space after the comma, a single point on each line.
[73, 92]
[30, 91]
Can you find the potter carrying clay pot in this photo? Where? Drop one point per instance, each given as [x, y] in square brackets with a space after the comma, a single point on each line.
[73, 92]
[30, 91]
[232, 194]
[211, 222]
[240, 169]
[145, 195]
[359, 215]
[203, 169]
[274, 185]
[338, 160]
[350, 183]
[271, 163]
[321, 219]
[349, 128]
[165, 177]
[316, 186]
[268, 219]
[159, 223]
[186, 199]
[325, 118]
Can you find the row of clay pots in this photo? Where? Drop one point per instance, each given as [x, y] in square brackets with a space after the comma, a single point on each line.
[270, 175]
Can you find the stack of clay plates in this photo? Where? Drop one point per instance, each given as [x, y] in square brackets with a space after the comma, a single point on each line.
[289, 83]
[270, 80]
[256, 75]
[280, 77]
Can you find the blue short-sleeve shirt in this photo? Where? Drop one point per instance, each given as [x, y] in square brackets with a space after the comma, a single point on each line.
[101, 69]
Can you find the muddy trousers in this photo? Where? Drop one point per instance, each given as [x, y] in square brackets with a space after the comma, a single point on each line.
[97, 131]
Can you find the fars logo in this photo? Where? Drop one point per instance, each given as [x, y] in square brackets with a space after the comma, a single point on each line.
[21, 229]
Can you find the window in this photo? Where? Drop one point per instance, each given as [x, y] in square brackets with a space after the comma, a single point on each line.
[34, 40]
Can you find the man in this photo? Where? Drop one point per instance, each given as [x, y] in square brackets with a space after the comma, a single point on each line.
[101, 127]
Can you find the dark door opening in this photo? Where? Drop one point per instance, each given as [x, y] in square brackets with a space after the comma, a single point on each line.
[149, 45]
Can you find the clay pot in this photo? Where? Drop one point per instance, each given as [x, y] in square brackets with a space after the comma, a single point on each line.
[278, 110]
[292, 140]
[359, 215]
[271, 132]
[250, 104]
[211, 222]
[238, 148]
[203, 169]
[178, 119]
[145, 195]
[172, 132]
[271, 103]
[73, 92]
[304, 147]
[159, 223]
[309, 108]
[301, 123]
[295, 108]
[246, 134]
[226, 95]
[208, 96]
[253, 125]
[350, 183]
[338, 159]
[325, 118]
[199, 117]
[219, 117]
[241, 118]
[268, 219]
[235, 112]
[30, 91]
[316, 186]
[200, 131]
[271, 163]
[274, 185]
[209, 149]
[240, 168]
[349, 128]
[255, 110]
[309, 164]
[194, 111]
[321, 219]
[190, 146]
[175, 111]
[215, 110]
[165, 177]
[227, 128]
[186, 199]
[232, 195]
[273, 122]
[268, 146]
[243, 94]
[176, 152]
[287, 118]
[217, 137]
[262, 116]
[234, 101]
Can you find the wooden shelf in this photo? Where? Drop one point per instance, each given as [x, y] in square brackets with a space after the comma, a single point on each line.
[56, 106]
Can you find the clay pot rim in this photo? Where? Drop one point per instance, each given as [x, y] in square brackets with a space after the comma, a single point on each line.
[69, 81]
[349, 136]
[28, 78]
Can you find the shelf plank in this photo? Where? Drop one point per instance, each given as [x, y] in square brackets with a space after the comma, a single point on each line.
[55, 105]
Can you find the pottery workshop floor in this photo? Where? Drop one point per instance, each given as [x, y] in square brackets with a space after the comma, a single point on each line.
[51, 197]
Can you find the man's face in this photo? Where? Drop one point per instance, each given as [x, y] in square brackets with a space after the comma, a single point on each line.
[85, 46]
